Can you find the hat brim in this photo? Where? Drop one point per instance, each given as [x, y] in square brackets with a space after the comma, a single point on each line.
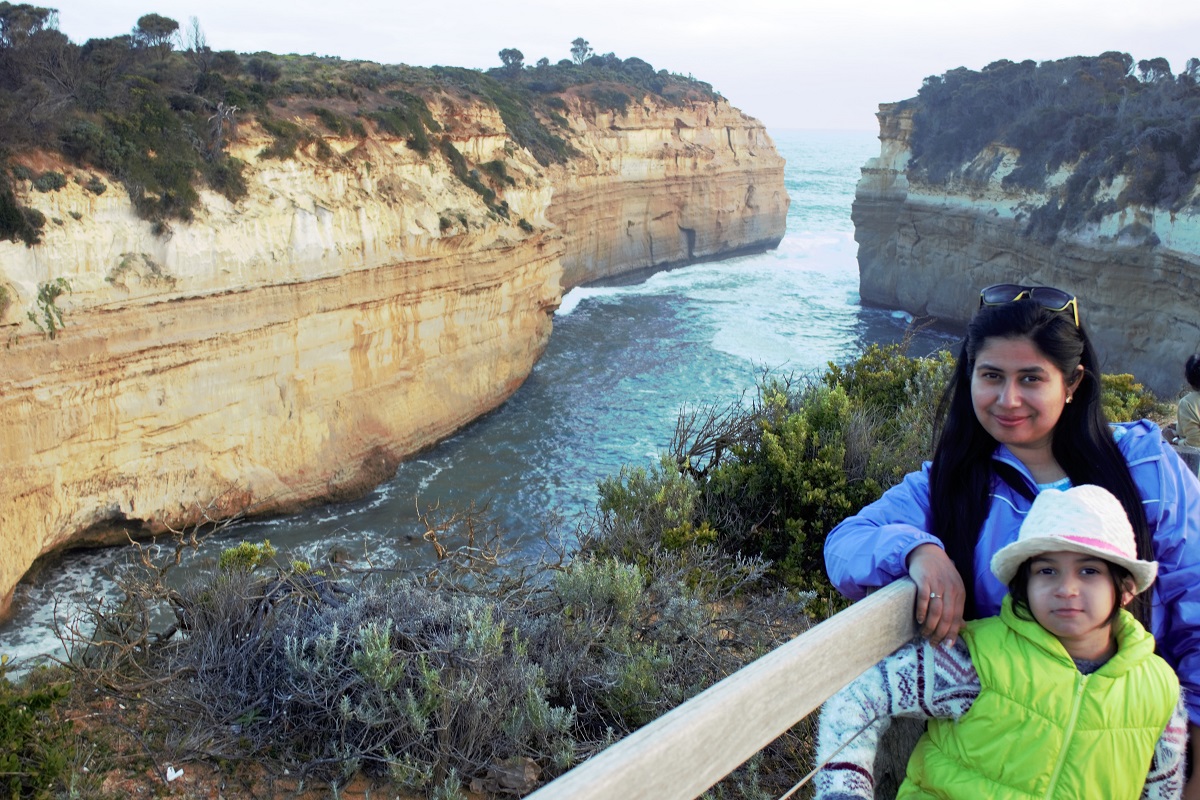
[1008, 559]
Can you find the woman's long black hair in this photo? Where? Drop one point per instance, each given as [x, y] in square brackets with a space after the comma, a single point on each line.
[962, 476]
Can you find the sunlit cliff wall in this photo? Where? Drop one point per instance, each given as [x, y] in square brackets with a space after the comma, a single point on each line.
[294, 347]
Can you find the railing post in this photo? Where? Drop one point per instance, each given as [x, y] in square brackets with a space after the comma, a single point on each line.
[681, 754]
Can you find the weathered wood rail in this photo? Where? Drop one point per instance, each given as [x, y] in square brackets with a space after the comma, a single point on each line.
[684, 752]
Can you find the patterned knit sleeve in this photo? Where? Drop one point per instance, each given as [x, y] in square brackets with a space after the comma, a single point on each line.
[1166, 778]
[918, 680]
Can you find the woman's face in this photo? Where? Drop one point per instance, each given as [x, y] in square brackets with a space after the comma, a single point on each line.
[1018, 394]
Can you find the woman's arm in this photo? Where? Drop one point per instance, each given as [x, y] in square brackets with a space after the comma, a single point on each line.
[1175, 523]
[915, 681]
[868, 550]
[890, 539]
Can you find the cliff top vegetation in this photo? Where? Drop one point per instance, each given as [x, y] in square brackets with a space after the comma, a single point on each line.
[1130, 133]
[155, 109]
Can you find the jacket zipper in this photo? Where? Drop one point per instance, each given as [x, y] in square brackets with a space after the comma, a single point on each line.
[1068, 733]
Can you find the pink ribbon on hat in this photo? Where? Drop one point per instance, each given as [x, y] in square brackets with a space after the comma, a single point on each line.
[1099, 544]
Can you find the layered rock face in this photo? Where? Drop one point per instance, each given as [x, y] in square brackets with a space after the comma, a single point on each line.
[294, 347]
[634, 198]
[929, 249]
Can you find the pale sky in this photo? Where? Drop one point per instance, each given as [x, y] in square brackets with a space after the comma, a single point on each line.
[791, 63]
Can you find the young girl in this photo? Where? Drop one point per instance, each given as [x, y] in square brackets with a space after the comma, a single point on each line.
[1061, 696]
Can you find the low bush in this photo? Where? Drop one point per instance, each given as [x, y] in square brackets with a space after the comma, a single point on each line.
[286, 137]
[37, 745]
[1124, 399]
[50, 181]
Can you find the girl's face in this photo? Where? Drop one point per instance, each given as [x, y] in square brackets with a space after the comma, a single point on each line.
[1019, 394]
[1072, 595]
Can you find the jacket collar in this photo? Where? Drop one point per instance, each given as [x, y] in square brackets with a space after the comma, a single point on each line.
[1134, 643]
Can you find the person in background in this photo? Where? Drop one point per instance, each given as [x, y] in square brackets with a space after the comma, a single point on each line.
[1022, 414]
[1060, 696]
[1186, 430]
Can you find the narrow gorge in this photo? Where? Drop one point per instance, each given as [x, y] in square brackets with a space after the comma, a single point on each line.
[355, 307]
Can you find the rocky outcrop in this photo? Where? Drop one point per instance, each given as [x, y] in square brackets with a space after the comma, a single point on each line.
[928, 249]
[294, 347]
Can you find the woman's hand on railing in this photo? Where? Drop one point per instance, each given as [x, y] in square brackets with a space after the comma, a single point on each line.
[940, 593]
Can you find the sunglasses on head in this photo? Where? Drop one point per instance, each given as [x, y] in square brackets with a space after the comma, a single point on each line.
[1045, 296]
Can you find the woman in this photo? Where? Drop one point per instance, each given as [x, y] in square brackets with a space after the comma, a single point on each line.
[1022, 413]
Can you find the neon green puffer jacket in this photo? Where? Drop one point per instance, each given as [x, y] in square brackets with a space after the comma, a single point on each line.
[1040, 729]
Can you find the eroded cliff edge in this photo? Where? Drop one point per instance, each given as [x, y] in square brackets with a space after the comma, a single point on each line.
[928, 248]
[294, 347]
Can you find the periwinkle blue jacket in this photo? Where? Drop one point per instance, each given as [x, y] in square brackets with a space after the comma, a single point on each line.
[869, 550]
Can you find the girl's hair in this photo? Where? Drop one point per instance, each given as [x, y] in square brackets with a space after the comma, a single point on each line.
[963, 474]
[1192, 371]
[1018, 587]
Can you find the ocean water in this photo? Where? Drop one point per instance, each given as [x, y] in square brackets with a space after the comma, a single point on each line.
[624, 359]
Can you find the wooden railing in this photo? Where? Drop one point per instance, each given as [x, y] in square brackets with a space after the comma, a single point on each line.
[684, 752]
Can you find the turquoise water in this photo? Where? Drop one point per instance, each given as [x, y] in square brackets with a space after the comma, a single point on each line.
[621, 363]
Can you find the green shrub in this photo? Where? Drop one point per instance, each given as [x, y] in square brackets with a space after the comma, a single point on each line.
[330, 119]
[410, 120]
[1124, 399]
[226, 176]
[786, 490]
[660, 501]
[772, 480]
[1088, 113]
[469, 177]
[287, 136]
[611, 100]
[50, 181]
[36, 743]
[49, 317]
[895, 398]
[18, 222]
[498, 172]
[246, 556]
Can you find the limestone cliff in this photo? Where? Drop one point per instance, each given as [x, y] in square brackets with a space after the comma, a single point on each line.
[352, 310]
[928, 249]
[632, 199]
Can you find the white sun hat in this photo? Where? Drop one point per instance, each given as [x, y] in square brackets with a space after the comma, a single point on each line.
[1082, 519]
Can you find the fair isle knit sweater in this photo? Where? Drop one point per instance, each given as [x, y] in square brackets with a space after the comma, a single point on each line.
[923, 681]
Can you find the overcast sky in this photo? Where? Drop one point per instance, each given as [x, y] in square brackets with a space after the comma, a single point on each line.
[791, 63]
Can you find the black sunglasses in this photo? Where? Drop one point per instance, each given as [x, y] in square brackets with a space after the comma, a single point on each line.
[1045, 296]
